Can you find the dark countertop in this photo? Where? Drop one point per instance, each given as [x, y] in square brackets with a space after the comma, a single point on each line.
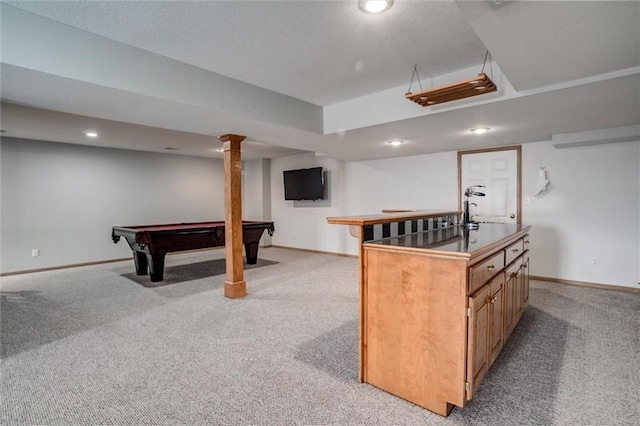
[456, 240]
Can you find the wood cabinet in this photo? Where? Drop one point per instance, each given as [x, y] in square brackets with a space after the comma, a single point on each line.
[435, 317]
[437, 302]
[525, 279]
[511, 283]
[479, 342]
[496, 313]
[517, 291]
[486, 331]
[482, 272]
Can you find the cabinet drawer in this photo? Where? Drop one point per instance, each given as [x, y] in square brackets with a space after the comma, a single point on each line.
[514, 250]
[481, 273]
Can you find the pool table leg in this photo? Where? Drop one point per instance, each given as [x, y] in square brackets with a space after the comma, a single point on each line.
[140, 260]
[251, 250]
[156, 267]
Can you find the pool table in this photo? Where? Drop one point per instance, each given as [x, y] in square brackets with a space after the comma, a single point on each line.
[150, 243]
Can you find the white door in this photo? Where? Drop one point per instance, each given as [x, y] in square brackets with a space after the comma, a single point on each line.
[498, 172]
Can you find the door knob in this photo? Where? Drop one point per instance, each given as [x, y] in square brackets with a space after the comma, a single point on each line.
[512, 215]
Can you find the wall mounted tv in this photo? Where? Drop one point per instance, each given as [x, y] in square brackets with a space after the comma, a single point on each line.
[304, 184]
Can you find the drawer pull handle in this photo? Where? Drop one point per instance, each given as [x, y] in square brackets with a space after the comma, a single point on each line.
[494, 299]
[490, 267]
[515, 250]
[526, 241]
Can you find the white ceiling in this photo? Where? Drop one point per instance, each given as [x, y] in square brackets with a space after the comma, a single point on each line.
[316, 76]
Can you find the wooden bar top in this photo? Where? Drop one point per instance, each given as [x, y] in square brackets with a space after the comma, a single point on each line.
[398, 216]
[456, 240]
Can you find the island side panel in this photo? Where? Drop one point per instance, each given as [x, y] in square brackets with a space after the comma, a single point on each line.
[358, 232]
[416, 326]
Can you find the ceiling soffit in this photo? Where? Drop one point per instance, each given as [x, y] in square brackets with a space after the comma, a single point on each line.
[540, 44]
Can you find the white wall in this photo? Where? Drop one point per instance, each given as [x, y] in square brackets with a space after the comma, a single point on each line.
[592, 208]
[427, 182]
[589, 211]
[302, 224]
[416, 182]
[63, 199]
[357, 188]
[256, 193]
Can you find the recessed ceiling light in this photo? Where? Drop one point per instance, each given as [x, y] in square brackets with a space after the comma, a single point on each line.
[479, 130]
[395, 143]
[91, 134]
[375, 6]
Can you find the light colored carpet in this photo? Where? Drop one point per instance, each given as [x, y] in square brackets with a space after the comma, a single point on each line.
[91, 346]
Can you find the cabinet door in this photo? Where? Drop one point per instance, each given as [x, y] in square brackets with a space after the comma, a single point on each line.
[524, 273]
[496, 330]
[518, 294]
[478, 345]
[509, 298]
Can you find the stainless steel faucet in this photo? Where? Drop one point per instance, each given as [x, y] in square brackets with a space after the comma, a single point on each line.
[467, 221]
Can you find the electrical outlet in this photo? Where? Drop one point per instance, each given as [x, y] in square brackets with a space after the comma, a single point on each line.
[594, 261]
[35, 253]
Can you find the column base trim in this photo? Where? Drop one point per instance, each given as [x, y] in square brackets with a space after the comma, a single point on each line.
[235, 290]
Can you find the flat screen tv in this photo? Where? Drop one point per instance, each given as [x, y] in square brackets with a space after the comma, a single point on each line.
[304, 184]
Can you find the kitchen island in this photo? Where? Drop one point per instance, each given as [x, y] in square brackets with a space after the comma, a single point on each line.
[437, 304]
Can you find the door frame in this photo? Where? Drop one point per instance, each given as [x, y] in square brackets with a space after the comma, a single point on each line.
[518, 149]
